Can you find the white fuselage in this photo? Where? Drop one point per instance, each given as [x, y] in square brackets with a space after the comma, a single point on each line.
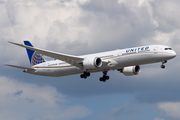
[117, 59]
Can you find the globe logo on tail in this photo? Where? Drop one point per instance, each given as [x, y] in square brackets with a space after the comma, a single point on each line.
[36, 59]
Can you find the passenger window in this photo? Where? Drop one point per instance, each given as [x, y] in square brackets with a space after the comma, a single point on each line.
[166, 48]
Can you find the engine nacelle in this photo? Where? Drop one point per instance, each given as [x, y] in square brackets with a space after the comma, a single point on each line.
[131, 70]
[92, 63]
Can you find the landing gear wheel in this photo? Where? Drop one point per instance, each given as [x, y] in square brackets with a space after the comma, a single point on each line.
[162, 66]
[85, 75]
[88, 74]
[107, 77]
[82, 75]
[163, 62]
[101, 79]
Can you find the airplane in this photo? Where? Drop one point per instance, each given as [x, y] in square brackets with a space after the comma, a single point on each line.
[127, 61]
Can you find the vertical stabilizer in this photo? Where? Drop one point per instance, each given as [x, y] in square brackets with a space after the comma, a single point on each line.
[34, 57]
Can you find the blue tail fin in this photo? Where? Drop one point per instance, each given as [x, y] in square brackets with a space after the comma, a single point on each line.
[34, 57]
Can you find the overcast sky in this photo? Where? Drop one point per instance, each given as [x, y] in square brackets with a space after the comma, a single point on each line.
[80, 27]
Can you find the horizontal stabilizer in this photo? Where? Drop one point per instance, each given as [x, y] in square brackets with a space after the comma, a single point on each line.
[19, 67]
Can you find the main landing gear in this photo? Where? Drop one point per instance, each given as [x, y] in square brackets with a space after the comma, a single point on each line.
[85, 75]
[163, 62]
[105, 77]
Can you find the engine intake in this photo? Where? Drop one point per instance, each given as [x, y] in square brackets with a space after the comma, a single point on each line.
[131, 70]
[92, 63]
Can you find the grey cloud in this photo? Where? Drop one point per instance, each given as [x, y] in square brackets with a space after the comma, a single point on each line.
[126, 112]
[12, 12]
[40, 118]
[117, 26]
[152, 97]
[18, 93]
[29, 100]
[44, 99]
[2, 2]
[167, 15]
[70, 46]
[108, 7]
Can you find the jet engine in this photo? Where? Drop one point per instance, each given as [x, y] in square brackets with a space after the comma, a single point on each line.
[131, 70]
[92, 63]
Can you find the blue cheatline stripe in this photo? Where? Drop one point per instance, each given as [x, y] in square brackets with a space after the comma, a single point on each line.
[34, 57]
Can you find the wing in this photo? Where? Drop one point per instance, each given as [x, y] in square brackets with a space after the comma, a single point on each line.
[19, 67]
[73, 60]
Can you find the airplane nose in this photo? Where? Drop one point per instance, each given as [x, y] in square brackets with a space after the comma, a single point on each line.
[174, 54]
[169, 55]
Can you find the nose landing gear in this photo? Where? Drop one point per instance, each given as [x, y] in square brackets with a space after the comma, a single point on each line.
[163, 62]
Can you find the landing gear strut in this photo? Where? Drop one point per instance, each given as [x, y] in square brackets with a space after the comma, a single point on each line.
[85, 75]
[105, 77]
[163, 62]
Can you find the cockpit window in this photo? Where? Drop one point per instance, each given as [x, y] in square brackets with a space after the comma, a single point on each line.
[168, 48]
